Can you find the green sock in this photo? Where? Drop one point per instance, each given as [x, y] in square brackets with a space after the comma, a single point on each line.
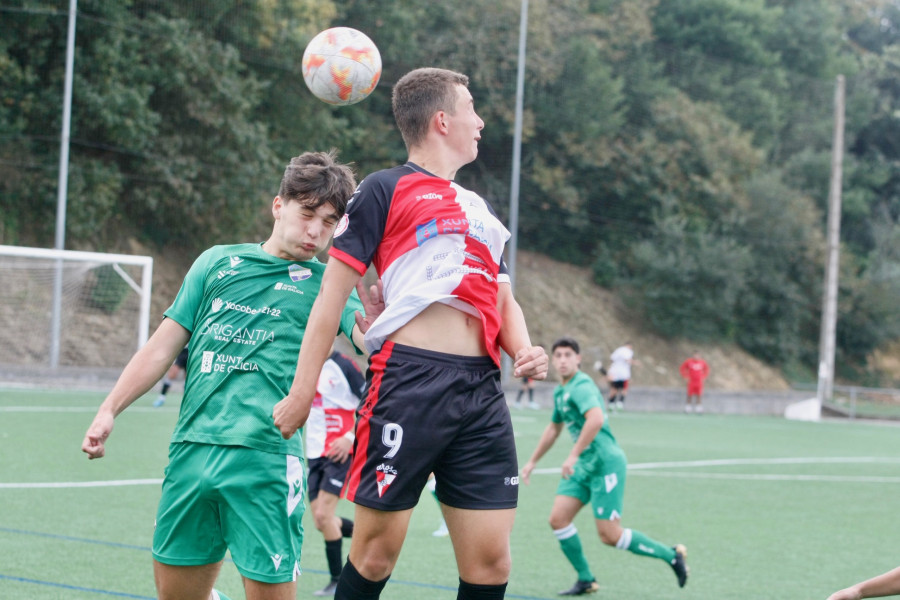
[570, 544]
[638, 543]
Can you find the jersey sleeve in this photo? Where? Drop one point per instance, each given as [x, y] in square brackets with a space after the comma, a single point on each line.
[187, 303]
[362, 227]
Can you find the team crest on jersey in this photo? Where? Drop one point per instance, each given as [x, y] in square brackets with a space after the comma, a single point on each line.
[342, 225]
[299, 273]
[384, 477]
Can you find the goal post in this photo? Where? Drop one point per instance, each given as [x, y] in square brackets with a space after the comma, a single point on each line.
[66, 308]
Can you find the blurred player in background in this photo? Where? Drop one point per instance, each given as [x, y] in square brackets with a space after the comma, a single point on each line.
[527, 387]
[619, 374]
[594, 472]
[233, 482]
[329, 444]
[434, 401]
[694, 370]
[178, 368]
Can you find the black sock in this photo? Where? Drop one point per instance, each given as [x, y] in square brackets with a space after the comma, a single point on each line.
[530, 395]
[474, 591]
[346, 527]
[333, 555]
[353, 586]
[519, 396]
[165, 388]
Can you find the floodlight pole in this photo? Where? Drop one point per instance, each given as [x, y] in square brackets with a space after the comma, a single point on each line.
[825, 386]
[62, 186]
[516, 166]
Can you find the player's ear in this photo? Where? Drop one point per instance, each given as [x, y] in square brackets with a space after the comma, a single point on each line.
[440, 121]
[277, 205]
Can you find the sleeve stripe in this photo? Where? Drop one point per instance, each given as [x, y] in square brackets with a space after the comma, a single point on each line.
[349, 260]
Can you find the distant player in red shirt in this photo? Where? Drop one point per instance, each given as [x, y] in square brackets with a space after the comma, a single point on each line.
[694, 370]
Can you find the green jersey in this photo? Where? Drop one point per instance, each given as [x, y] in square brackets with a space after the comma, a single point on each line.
[247, 312]
[570, 402]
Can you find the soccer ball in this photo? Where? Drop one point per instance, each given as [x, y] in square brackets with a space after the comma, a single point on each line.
[341, 66]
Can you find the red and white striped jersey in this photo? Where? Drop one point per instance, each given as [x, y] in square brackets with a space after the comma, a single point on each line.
[431, 240]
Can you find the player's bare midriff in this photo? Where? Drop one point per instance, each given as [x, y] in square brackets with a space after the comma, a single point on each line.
[442, 328]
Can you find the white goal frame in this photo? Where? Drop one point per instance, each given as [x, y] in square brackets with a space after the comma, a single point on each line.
[142, 289]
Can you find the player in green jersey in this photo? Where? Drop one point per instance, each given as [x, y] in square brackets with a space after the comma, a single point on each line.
[594, 472]
[233, 482]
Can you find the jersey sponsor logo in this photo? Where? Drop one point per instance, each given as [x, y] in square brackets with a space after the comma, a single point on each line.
[430, 196]
[343, 224]
[276, 560]
[235, 261]
[225, 363]
[511, 480]
[384, 477]
[206, 363]
[237, 335]
[226, 273]
[220, 304]
[288, 288]
[426, 232]
[298, 273]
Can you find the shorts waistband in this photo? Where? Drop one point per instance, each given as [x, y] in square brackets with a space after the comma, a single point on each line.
[438, 359]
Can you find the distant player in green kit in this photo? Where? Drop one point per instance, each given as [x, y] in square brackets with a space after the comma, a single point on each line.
[233, 482]
[593, 472]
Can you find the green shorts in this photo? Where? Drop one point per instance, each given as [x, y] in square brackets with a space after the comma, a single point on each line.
[245, 500]
[605, 490]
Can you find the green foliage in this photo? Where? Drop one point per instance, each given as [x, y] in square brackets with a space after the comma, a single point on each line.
[682, 149]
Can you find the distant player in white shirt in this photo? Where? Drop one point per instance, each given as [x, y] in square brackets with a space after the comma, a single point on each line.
[329, 444]
[619, 374]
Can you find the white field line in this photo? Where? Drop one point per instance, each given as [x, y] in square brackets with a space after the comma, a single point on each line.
[651, 469]
[638, 469]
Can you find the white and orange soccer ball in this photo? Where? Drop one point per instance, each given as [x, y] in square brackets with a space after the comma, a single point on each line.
[341, 66]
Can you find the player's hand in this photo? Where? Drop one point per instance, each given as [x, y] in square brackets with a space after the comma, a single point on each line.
[851, 593]
[568, 467]
[531, 362]
[340, 450]
[289, 415]
[526, 472]
[373, 304]
[95, 438]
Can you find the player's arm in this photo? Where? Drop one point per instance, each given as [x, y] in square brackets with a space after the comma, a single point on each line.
[548, 438]
[324, 320]
[886, 584]
[145, 368]
[530, 361]
[593, 422]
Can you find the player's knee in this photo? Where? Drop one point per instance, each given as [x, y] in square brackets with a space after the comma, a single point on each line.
[321, 517]
[374, 566]
[557, 522]
[608, 539]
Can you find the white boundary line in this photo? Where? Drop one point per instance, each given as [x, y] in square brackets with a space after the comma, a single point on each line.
[638, 469]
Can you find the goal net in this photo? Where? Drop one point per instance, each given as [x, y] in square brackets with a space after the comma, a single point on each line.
[62, 310]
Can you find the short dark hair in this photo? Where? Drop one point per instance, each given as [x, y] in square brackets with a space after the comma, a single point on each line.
[566, 342]
[317, 178]
[421, 93]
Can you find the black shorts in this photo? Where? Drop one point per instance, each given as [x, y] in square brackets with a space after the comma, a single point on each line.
[325, 475]
[620, 384]
[181, 359]
[433, 412]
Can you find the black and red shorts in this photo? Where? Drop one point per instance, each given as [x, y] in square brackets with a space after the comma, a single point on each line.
[433, 412]
[325, 475]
